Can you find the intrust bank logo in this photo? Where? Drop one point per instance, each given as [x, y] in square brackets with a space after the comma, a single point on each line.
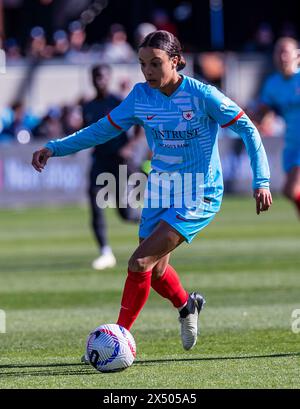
[2, 62]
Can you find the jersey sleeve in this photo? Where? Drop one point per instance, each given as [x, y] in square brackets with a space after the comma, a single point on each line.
[221, 108]
[122, 117]
[245, 128]
[228, 114]
[118, 120]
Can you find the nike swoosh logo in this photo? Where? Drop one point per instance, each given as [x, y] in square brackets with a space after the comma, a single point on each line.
[181, 218]
[149, 117]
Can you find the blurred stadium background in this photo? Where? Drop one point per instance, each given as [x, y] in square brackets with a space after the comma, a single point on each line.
[50, 46]
[50, 293]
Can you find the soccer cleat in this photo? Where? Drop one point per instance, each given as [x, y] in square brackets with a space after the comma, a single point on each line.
[104, 261]
[85, 360]
[189, 320]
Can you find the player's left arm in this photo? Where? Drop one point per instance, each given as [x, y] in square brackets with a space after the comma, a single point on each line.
[120, 119]
[228, 114]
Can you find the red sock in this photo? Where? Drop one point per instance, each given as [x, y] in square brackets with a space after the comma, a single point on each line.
[170, 287]
[297, 202]
[135, 294]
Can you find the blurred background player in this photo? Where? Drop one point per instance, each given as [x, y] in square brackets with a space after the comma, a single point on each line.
[107, 158]
[281, 93]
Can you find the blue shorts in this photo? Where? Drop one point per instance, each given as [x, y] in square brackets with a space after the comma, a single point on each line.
[188, 226]
[291, 158]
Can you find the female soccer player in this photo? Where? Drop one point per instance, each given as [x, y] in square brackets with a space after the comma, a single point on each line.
[281, 93]
[180, 116]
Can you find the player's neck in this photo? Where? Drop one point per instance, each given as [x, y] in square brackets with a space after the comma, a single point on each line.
[288, 73]
[101, 94]
[172, 86]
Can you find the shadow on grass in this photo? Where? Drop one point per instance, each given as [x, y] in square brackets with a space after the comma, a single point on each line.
[87, 370]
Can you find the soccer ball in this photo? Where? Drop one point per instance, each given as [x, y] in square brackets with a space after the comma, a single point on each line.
[110, 348]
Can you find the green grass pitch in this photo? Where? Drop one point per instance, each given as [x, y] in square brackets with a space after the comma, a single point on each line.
[247, 266]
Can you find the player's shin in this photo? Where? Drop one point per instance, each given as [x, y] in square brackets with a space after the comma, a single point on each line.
[135, 295]
[170, 287]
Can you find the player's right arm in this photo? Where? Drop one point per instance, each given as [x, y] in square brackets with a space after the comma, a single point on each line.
[118, 120]
[228, 114]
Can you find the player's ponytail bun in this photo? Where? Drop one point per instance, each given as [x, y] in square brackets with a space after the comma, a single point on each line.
[181, 63]
[163, 40]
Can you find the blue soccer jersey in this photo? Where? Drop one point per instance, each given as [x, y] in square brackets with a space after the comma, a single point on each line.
[283, 96]
[181, 131]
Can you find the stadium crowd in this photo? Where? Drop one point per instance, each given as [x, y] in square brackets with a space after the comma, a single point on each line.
[70, 46]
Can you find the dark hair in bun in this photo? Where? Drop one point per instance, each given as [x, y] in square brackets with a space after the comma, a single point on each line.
[163, 40]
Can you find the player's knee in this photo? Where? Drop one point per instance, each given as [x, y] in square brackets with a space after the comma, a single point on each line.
[138, 264]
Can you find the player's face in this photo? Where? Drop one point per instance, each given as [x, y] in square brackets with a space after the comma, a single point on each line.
[101, 79]
[285, 57]
[158, 68]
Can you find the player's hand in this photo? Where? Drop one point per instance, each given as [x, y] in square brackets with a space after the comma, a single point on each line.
[263, 199]
[40, 157]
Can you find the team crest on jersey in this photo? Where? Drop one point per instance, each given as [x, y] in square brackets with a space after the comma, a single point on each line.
[188, 115]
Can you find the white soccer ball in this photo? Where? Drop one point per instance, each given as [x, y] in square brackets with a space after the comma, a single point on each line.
[110, 348]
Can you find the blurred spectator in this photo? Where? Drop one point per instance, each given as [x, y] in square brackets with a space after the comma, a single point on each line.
[78, 48]
[72, 119]
[17, 122]
[6, 118]
[77, 36]
[117, 49]
[38, 47]
[262, 41]
[61, 43]
[210, 67]
[13, 50]
[141, 32]
[50, 126]
[161, 20]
